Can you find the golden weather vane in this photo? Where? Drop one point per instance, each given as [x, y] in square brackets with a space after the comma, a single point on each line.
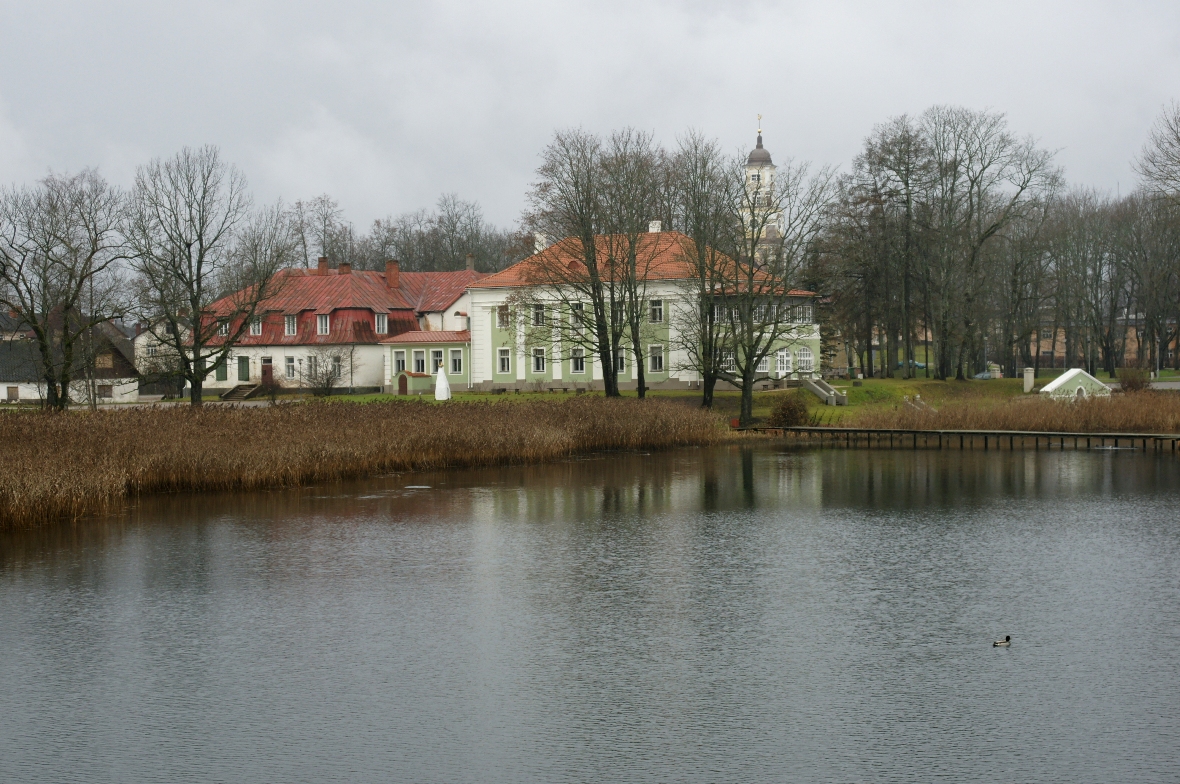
[759, 123]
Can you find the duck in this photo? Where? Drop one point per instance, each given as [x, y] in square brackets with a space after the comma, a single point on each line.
[1004, 643]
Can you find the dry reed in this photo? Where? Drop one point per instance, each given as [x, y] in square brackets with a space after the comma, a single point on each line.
[64, 466]
[1141, 412]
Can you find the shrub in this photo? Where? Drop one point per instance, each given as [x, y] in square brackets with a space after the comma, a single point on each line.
[1133, 379]
[790, 410]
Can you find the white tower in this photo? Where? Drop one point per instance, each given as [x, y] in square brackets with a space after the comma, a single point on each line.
[760, 185]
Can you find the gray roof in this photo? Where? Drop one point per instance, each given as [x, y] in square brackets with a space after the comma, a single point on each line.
[759, 156]
[20, 362]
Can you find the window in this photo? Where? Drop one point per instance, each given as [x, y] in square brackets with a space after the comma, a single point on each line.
[13, 394]
[804, 314]
[616, 313]
[106, 390]
[436, 360]
[1046, 334]
[538, 315]
[505, 357]
[502, 317]
[578, 361]
[221, 370]
[456, 361]
[538, 360]
[152, 351]
[289, 365]
[783, 365]
[621, 360]
[243, 368]
[728, 362]
[655, 359]
[104, 362]
[382, 325]
[321, 324]
[763, 365]
[419, 361]
[223, 329]
[577, 317]
[399, 361]
[289, 325]
[755, 177]
[804, 355]
[656, 311]
[336, 366]
[256, 326]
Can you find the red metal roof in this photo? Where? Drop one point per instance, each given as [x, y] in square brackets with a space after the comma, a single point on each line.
[424, 336]
[435, 291]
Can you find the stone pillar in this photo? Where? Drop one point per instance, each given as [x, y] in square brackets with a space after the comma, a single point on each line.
[1028, 380]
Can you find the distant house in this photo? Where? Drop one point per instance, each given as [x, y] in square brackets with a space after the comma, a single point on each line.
[337, 320]
[1075, 383]
[113, 375]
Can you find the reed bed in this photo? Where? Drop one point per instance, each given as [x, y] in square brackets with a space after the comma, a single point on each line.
[1140, 412]
[65, 466]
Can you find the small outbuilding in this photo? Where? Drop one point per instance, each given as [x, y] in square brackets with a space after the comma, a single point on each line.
[1073, 384]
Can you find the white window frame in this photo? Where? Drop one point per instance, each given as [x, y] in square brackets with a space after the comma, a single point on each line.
[578, 360]
[399, 361]
[456, 362]
[539, 360]
[504, 358]
[256, 325]
[729, 362]
[323, 324]
[577, 318]
[655, 359]
[783, 361]
[621, 360]
[381, 323]
[805, 360]
[289, 366]
[655, 311]
[337, 369]
[538, 315]
[805, 314]
[290, 325]
[763, 365]
[223, 329]
[420, 360]
[502, 317]
[437, 358]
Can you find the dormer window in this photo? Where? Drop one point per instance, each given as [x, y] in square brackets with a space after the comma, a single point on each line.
[382, 323]
[289, 325]
[255, 326]
[223, 329]
[321, 325]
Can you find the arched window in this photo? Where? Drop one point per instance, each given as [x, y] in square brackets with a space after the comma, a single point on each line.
[804, 357]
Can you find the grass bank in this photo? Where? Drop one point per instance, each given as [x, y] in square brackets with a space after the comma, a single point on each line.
[64, 466]
[1139, 412]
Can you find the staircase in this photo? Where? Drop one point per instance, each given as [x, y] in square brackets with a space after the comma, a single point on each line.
[240, 392]
[825, 392]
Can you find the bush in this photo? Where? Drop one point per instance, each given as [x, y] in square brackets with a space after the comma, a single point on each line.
[1133, 379]
[790, 410]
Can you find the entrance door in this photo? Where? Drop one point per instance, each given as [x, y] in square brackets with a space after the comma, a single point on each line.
[401, 384]
[268, 371]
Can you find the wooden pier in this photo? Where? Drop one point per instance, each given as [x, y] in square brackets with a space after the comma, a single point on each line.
[884, 438]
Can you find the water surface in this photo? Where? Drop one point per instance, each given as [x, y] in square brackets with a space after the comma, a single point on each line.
[727, 614]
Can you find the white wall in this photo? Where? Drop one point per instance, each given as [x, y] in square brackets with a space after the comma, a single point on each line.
[368, 365]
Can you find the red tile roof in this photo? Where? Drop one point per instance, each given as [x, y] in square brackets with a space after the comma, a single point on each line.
[665, 255]
[423, 336]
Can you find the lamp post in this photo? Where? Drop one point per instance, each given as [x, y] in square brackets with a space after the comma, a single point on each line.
[301, 376]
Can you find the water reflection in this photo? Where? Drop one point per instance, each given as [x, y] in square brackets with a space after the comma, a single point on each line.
[739, 613]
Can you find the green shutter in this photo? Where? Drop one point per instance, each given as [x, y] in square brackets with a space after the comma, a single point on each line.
[243, 368]
[222, 370]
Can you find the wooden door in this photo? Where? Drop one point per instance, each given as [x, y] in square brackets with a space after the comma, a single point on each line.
[268, 371]
[401, 384]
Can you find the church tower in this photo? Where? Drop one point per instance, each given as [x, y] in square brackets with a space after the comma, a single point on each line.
[760, 187]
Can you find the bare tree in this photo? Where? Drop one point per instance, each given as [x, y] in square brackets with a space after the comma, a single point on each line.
[329, 366]
[1159, 162]
[195, 242]
[59, 246]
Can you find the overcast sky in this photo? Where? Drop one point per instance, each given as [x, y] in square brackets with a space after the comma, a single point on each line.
[386, 105]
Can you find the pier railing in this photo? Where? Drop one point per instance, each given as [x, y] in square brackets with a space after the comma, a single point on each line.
[888, 438]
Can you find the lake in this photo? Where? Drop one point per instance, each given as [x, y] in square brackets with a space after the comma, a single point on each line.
[729, 614]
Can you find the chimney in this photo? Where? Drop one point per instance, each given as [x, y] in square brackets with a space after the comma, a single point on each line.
[654, 227]
[345, 268]
[540, 242]
[470, 262]
[322, 267]
[391, 274]
[138, 329]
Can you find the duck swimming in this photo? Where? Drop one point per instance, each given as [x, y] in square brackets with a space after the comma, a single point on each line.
[1004, 643]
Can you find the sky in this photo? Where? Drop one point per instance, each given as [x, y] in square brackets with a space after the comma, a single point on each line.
[385, 106]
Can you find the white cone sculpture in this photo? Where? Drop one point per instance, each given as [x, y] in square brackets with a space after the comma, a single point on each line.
[442, 389]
